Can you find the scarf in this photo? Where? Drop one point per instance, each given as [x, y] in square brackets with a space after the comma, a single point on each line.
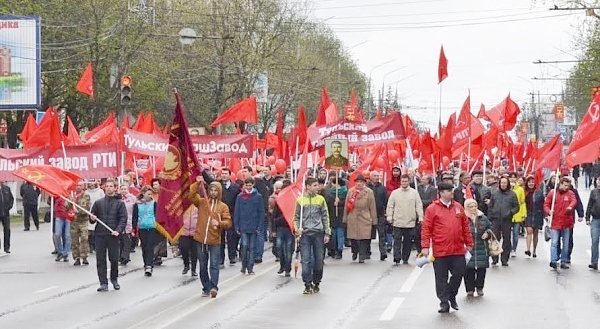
[352, 200]
[246, 195]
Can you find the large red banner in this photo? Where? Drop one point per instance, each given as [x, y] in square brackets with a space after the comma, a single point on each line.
[88, 161]
[387, 129]
[205, 146]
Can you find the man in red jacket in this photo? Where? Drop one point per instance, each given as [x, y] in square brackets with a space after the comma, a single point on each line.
[446, 230]
[562, 221]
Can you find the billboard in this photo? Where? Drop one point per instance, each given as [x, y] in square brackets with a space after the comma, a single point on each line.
[20, 62]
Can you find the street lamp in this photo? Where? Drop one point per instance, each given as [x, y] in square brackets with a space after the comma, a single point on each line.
[370, 73]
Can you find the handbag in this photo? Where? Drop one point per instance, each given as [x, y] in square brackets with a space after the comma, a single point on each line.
[547, 235]
[494, 246]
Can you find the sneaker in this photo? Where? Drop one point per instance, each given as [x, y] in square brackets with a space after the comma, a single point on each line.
[382, 257]
[185, 270]
[58, 258]
[148, 271]
[470, 293]
[205, 293]
[307, 289]
[528, 253]
[103, 287]
[316, 288]
[77, 262]
[479, 292]
[213, 293]
[194, 273]
[593, 266]
[85, 261]
[115, 284]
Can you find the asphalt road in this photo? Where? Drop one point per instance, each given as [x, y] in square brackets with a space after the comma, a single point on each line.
[37, 292]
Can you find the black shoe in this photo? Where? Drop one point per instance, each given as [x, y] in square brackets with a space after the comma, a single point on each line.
[444, 308]
[103, 287]
[58, 258]
[27, 229]
[258, 261]
[528, 253]
[37, 227]
[251, 273]
[368, 257]
[383, 257]
[65, 259]
[243, 270]
[593, 266]
[316, 288]
[7, 251]
[77, 262]
[504, 264]
[534, 255]
[194, 273]
[232, 262]
[287, 274]
[564, 266]
[454, 304]
[308, 289]
[553, 265]
[54, 252]
[405, 262]
[354, 256]
[115, 284]
[85, 262]
[124, 262]
[280, 270]
[361, 261]
[185, 270]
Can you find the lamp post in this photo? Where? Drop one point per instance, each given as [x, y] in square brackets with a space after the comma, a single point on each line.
[370, 73]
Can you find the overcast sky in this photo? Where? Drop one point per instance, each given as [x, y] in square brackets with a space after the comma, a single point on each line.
[490, 46]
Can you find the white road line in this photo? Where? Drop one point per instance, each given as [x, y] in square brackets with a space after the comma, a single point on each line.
[45, 289]
[412, 279]
[168, 316]
[391, 310]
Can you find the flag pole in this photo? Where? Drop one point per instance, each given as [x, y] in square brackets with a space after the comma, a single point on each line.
[554, 196]
[87, 212]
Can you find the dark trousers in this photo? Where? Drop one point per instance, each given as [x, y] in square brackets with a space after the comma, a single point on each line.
[125, 244]
[230, 239]
[189, 252]
[381, 233]
[285, 248]
[6, 226]
[474, 278]
[445, 289]
[30, 210]
[502, 230]
[360, 247]
[148, 239]
[417, 238]
[248, 242]
[107, 244]
[311, 251]
[403, 240]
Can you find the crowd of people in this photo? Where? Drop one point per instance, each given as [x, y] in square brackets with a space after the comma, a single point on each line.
[451, 216]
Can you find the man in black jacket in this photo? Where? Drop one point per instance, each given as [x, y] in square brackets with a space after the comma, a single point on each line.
[592, 218]
[30, 194]
[230, 238]
[110, 210]
[6, 203]
[502, 205]
[381, 199]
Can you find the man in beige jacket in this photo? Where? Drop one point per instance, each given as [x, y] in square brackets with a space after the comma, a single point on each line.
[404, 211]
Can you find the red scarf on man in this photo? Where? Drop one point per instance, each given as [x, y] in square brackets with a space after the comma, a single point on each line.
[352, 200]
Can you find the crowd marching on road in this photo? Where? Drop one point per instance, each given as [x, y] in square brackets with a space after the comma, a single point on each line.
[457, 227]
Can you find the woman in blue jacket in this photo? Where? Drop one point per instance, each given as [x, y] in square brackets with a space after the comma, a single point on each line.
[144, 219]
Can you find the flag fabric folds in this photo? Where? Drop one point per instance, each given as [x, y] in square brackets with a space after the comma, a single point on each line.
[48, 133]
[53, 180]
[29, 128]
[244, 110]
[585, 146]
[181, 168]
[86, 82]
[442, 66]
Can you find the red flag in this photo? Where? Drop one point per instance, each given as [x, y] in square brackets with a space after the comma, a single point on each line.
[72, 134]
[442, 66]
[367, 164]
[549, 154]
[351, 111]
[180, 169]
[504, 115]
[585, 146]
[481, 114]
[244, 110]
[108, 134]
[325, 102]
[126, 123]
[48, 133]
[445, 140]
[51, 179]
[29, 128]
[86, 82]
[110, 119]
[139, 124]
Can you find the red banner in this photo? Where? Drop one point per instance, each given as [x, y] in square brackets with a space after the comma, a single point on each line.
[88, 161]
[387, 129]
[205, 146]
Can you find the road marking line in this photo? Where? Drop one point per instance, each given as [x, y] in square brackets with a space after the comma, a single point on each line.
[391, 309]
[45, 289]
[412, 279]
[194, 303]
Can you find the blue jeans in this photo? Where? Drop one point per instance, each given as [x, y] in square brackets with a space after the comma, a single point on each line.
[515, 235]
[62, 236]
[259, 247]
[312, 249]
[338, 237]
[595, 232]
[285, 248]
[209, 277]
[247, 245]
[565, 235]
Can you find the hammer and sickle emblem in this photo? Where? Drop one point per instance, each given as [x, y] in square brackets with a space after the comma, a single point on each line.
[35, 176]
[595, 112]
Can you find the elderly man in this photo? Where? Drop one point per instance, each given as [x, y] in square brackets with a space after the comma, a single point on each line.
[404, 211]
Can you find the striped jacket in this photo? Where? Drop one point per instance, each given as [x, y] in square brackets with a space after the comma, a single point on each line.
[315, 217]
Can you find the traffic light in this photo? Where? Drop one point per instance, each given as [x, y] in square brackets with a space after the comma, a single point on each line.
[125, 90]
